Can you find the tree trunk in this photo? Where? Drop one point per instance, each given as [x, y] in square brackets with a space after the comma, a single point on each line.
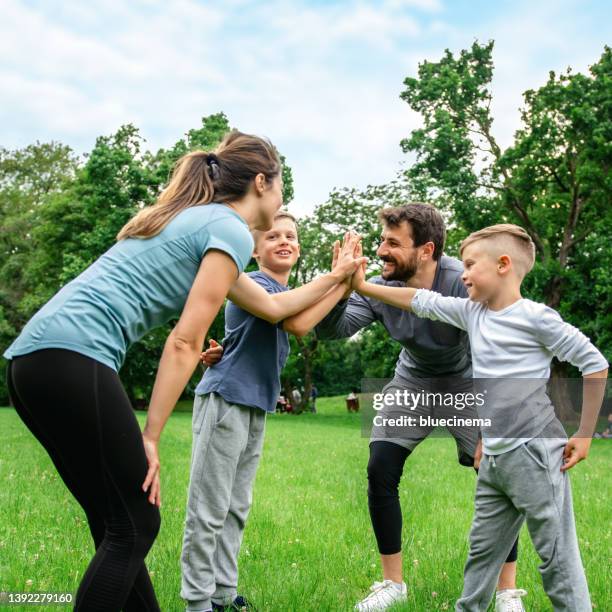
[307, 351]
[307, 380]
[560, 394]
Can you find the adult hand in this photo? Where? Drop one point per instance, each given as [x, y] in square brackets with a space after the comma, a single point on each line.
[576, 450]
[212, 354]
[151, 483]
[358, 278]
[346, 262]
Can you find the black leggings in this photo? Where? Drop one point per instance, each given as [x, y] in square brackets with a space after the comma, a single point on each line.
[384, 472]
[78, 410]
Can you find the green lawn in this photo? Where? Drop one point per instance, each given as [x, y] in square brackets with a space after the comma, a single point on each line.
[308, 544]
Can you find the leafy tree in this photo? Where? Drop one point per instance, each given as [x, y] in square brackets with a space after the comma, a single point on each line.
[28, 178]
[554, 180]
[59, 227]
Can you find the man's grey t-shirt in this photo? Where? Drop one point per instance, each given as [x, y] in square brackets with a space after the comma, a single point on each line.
[254, 353]
[430, 349]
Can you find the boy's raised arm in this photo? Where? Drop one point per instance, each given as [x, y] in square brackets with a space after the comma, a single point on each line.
[303, 322]
[400, 297]
[247, 294]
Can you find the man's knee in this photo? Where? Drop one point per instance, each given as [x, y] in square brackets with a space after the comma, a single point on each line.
[385, 468]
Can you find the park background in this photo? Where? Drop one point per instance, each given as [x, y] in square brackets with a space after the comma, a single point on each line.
[411, 116]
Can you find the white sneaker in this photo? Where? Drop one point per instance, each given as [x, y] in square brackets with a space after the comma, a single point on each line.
[509, 600]
[382, 596]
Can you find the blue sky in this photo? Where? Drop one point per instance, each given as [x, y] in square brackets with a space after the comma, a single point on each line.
[320, 79]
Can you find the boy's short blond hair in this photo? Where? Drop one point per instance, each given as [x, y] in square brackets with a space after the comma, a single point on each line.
[281, 214]
[506, 239]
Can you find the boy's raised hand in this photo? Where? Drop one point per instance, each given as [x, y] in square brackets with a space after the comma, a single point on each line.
[212, 355]
[576, 450]
[347, 280]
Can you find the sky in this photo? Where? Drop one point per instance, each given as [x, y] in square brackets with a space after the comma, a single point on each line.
[321, 79]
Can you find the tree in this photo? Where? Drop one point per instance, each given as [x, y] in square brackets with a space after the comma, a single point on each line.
[554, 180]
[28, 178]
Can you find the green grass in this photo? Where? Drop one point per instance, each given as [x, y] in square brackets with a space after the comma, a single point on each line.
[308, 543]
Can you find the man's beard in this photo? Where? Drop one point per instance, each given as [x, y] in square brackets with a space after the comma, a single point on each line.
[400, 272]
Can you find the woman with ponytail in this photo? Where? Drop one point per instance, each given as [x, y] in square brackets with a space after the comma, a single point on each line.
[177, 258]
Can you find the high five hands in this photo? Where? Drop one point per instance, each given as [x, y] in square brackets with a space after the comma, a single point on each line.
[352, 240]
[348, 257]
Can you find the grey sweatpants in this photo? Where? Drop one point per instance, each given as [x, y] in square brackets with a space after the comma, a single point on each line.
[525, 484]
[227, 446]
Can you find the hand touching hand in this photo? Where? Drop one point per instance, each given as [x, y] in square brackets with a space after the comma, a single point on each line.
[358, 277]
[346, 262]
[347, 281]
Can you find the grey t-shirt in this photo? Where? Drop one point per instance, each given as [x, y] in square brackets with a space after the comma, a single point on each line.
[430, 349]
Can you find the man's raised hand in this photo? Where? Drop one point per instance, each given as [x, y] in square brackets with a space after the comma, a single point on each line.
[358, 277]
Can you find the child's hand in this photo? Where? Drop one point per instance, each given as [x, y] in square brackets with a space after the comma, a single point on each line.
[212, 354]
[347, 281]
[576, 450]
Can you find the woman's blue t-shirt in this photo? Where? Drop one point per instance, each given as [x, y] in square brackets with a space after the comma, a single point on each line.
[138, 284]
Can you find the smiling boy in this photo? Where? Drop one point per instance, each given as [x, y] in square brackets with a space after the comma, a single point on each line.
[229, 416]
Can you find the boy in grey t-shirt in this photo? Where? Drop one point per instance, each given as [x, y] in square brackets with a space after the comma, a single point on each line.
[523, 473]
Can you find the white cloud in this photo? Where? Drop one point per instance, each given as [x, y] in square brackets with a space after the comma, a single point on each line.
[323, 83]
[432, 6]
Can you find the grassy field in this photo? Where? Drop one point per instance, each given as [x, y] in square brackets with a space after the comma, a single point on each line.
[308, 544]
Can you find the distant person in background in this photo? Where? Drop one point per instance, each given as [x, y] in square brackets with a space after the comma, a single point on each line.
[296, 396]
[314, 393]
[281, 404]
[607, 432]
[352, 401]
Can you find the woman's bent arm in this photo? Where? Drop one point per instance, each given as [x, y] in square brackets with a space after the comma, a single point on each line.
[182, 350]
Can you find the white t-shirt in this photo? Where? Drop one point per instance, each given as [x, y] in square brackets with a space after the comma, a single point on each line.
[517, 342]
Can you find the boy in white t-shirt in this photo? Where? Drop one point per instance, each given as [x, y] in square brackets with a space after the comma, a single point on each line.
[525, 456]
